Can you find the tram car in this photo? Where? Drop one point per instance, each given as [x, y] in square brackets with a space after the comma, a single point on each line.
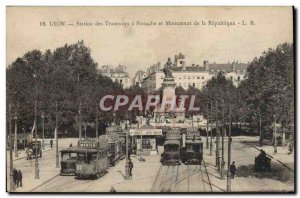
[172, 144]
[92, 158]
[68, 161]
[117, 148]
[192, 148]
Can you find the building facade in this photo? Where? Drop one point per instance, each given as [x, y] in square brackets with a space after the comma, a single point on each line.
[194, 75]
[117, 74]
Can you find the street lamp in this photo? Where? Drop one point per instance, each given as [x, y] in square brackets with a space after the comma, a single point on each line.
[11, 174]
[229, 153]
[223, 131]
[275, 136]
[43, 125]
[16, 136]
[127, 172]
[56, 136]
[37, 171]
[211, 130]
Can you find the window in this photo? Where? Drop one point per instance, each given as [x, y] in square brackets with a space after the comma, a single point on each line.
[193, 84]
[146, 144]
[198, 77]
[239, 78]
[181, 62]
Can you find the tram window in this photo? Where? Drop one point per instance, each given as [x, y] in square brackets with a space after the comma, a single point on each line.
[94, 156]
[171, 148]
[81, 157]
[196, 148]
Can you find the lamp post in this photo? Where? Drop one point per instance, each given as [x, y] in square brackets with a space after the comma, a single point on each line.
[211, 128]
[207, 142]
[217, 139]
[37, 171]
[79, 123]
[229, 153]
[223, 131]
[56, 136]
[43, 125]
[275, 136]
[11, 174]
[16, 136]
[127, 173]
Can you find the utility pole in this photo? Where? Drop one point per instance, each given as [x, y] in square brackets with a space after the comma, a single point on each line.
[11, 173]
[229, 153]
[275, 136]
[79, 122]
[211, 131]
[207, 143]
[217, 139]
[43, 125]
[56, 137]
[223, 131]
[97, 123]
[37, 171]
[16, 136]
[127, 173]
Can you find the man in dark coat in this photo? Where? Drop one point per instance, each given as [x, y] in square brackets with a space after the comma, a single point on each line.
[15, 176]
[51, 143]
[20, 177]
[130, 167]
[232, 170]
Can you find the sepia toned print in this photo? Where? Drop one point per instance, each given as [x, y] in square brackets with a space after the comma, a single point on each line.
[150, 100]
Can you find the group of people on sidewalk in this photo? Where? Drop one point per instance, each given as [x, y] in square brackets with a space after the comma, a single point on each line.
[17, 177]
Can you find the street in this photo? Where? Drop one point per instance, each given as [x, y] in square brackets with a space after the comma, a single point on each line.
[151, 176]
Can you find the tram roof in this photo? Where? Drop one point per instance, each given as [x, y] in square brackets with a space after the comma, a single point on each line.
[172, 142]
[80, 150]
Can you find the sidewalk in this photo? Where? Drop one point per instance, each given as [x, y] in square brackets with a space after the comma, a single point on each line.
[144, 174]
[243, 153]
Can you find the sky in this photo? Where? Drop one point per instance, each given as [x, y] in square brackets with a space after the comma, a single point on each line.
[138, 47]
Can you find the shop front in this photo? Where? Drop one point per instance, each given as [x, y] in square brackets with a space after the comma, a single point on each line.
[144, 139]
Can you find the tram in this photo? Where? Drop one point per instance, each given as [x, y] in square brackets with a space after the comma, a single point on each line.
[192, 149]
[172, 145]
[92, 158]
[68, 161]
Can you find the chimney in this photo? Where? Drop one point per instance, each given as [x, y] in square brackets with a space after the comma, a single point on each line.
[206, 65]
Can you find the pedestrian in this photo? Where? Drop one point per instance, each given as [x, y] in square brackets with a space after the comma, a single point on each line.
[15, 176]
[71, 145]
[112, 190]
[130, 168]
[51, 143]
[232, 170]
[20, 177]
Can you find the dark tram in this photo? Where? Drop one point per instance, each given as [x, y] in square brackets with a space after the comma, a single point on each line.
[171, 154]
[192, 149]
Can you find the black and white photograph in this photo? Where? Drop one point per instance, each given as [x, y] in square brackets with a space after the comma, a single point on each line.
[150, 99]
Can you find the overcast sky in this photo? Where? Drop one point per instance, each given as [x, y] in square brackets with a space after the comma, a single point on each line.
[138, 47]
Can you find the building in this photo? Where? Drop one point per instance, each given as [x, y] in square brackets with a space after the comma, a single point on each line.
[233, 71]
[193, 75]
[117, 74]
[138, 78]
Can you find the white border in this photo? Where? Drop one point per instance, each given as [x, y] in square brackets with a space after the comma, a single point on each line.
[4, 3]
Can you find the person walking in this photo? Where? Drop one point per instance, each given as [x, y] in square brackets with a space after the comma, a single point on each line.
[20, 177]
[15, 176]
[130, 168]
[51, 143]
[232, 170]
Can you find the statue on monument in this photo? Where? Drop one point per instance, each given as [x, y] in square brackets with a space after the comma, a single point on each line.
[167, 69]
